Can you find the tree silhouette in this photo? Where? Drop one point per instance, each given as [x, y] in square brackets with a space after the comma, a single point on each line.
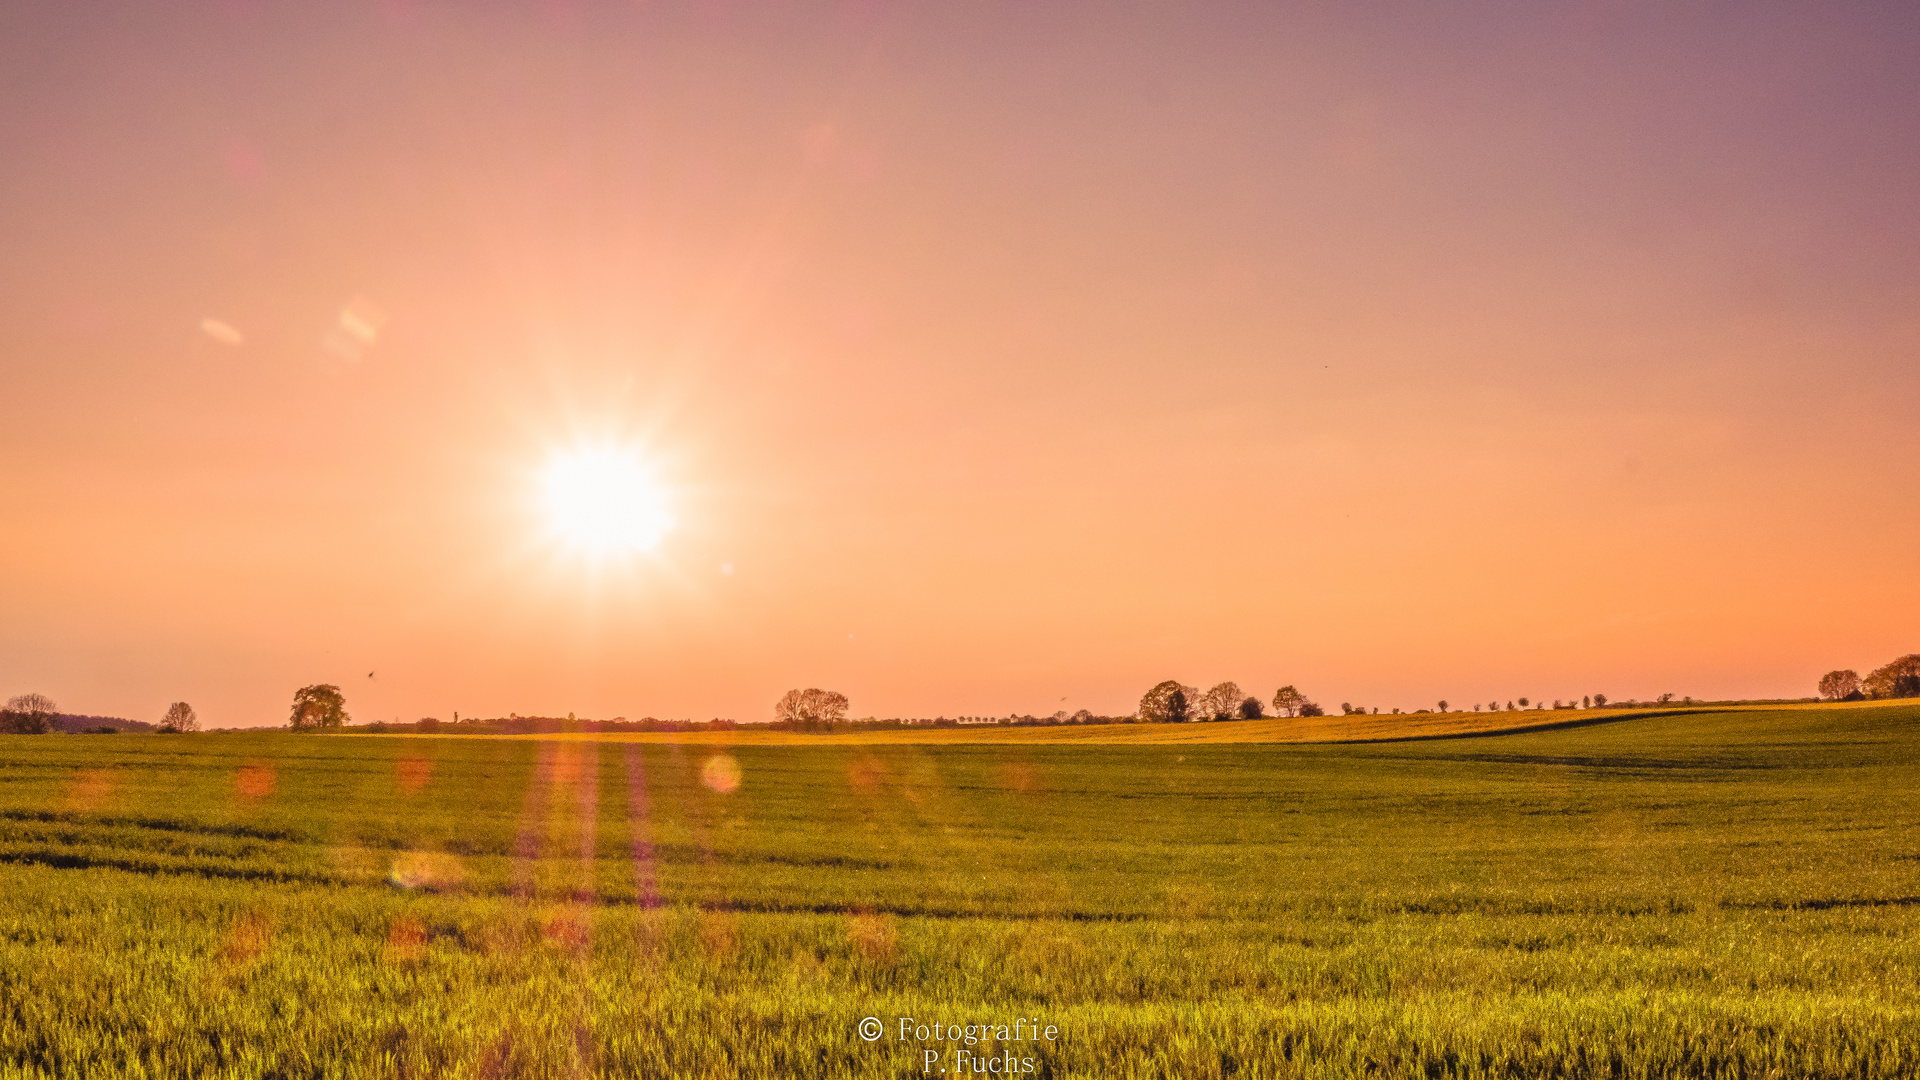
[1287, 701]
[179, 718]
[1835, 685]
[1899, 679]
[1599, 701]
[811, 708]
[1221, 702]
[1167, 702]
[318, 707]
[1443, 704]
[1250, 708]
[28, 714]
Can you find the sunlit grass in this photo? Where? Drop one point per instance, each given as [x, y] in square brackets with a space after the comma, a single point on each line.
[1712, 893]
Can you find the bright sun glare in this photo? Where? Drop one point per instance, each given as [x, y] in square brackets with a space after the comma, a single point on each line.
[605, 501]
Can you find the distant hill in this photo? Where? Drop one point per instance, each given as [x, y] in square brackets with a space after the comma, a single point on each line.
[70, 723]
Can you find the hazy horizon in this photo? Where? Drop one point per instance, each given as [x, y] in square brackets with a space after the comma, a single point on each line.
[987, 360]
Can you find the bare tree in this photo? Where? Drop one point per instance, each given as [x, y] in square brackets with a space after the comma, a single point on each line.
[28, 714]
[787, 709]
[827, 706]
[812, 707]
[1835, 685]
[1443, 704]
[1168, 702]
[318, 707]
[1221, 702]
[179, 718]
[1599, 701]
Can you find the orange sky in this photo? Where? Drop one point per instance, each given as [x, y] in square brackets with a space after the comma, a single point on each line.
[1011, 357]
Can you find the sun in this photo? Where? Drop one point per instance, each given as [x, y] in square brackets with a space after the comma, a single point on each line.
[604, 501]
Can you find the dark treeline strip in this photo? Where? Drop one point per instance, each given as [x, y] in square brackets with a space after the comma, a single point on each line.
[550, 725]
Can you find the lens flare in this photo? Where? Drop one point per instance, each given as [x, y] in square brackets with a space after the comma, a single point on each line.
[254, 782]
[221, 332]
[90, 788]
[427, 870]
[406, 942]
[721, 773]
[413, 774]
[605, 501]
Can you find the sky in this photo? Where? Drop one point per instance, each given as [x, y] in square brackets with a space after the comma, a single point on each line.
[988, 357]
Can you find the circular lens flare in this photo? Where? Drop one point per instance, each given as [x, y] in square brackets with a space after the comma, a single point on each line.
[605, 501]
[721, 773]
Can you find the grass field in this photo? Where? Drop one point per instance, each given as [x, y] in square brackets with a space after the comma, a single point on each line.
[1701, 894]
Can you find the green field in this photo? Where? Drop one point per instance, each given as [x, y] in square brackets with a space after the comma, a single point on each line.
[1711, 894]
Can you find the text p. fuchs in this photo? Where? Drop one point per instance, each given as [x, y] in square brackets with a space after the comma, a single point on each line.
[961, 1052]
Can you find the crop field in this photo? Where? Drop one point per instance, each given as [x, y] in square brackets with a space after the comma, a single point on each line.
[1699, 894]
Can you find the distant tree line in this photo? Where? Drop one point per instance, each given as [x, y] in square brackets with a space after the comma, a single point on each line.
[816, 710]
[515, 724]
[319, 708]
[74, 724]
[322, 707]
[1173, 702]
[36, 714]
[898, 723]
[1895, 679]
